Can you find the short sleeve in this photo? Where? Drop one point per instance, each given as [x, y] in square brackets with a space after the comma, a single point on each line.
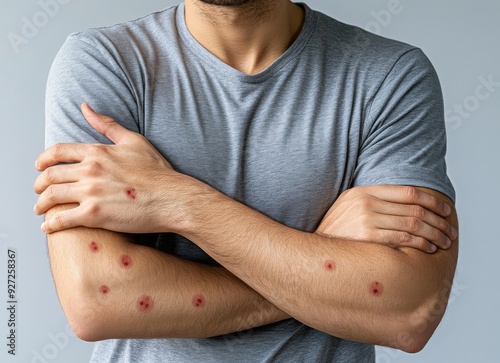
[83, 72]
[404, 136]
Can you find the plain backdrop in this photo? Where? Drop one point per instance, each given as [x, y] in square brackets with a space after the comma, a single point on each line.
[460, 37]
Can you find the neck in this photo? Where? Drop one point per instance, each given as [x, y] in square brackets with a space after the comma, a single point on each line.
[248, 37]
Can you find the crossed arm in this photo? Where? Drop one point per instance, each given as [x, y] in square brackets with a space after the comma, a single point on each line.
[329, 280]
[102, 297]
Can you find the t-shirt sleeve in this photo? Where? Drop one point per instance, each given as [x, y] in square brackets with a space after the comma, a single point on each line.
[83, 71]
[404, 138]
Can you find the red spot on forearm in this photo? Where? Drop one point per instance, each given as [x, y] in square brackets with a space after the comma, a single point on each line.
[198, 301]
[126, 261]
[145, 304]
[330, 266]
[94, 247]
[131, 193]
[104, 290]
[376, 288]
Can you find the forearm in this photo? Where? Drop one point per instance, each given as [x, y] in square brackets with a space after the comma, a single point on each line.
[112, 288]
[357, 291]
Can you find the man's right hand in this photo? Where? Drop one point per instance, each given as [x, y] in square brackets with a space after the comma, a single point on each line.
[396, 216]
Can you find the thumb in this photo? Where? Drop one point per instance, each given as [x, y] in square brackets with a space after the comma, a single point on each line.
[106, 125]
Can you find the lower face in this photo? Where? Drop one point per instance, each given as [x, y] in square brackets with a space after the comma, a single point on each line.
[226, 2]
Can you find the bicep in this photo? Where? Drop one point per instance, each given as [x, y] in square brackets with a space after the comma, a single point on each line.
[404, 141]
[81, 72]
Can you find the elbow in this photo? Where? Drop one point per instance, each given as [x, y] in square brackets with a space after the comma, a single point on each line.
[85, 317]
[84, 329]
[416, 328]
[410, 342]
[86, 325]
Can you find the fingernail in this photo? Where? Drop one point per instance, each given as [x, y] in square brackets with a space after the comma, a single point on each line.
[447, 243]
[447, 209]
[433, 248]
[36, 163]
[42, 227]
[454, 233]
[34, 208]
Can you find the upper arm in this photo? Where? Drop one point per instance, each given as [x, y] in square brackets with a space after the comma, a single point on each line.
[404, 143]
[404, 135]
[84, 72]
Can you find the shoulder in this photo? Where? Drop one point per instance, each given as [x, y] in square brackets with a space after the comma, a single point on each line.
[137, 38]
[358, 49]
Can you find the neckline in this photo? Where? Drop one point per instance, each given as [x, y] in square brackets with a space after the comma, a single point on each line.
[226, 70]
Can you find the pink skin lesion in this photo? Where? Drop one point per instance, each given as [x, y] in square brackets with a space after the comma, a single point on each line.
[104, 290]
[330, 266]
[376, 288]
[131, 193]
[94, 247]
[126, 261]
[198, 301]
[145, 304]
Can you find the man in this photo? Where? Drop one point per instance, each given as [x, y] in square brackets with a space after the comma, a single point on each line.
[288, 170]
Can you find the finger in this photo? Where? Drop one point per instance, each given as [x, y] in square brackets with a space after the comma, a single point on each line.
[56, 194]
[58, 174]
[61, 220]
[106, 125]
[399, 239]
[415, 227]
[419, 212]
[61, 153]
[410, 195]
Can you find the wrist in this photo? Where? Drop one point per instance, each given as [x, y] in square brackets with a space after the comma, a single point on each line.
[193, 200]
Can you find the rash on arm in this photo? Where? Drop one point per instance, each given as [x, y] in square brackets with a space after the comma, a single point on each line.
[364, 292]
[110, 288]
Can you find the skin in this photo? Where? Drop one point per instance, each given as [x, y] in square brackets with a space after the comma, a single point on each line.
[383, 235]
[231, 34]
[271, 271]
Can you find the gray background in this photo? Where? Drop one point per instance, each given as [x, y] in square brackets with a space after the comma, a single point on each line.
[460, 37]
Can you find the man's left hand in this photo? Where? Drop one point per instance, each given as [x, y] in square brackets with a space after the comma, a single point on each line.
[126, 187]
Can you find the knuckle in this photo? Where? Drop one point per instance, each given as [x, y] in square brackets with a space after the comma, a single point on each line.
[346, 193]
[413, 224]
[421, 243]
[96, 149]
[411, 193]
[434, 203]
[404, 238]
[93, 168]
[443, 225]
[50, 194]
[92, 210]
[417, 211]
[351, 191]
[438, 237]
[49, 175]
[58, 151]
[58, 221]
[364, 203]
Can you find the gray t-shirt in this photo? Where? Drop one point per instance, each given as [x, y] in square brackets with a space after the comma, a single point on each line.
[340, 108]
